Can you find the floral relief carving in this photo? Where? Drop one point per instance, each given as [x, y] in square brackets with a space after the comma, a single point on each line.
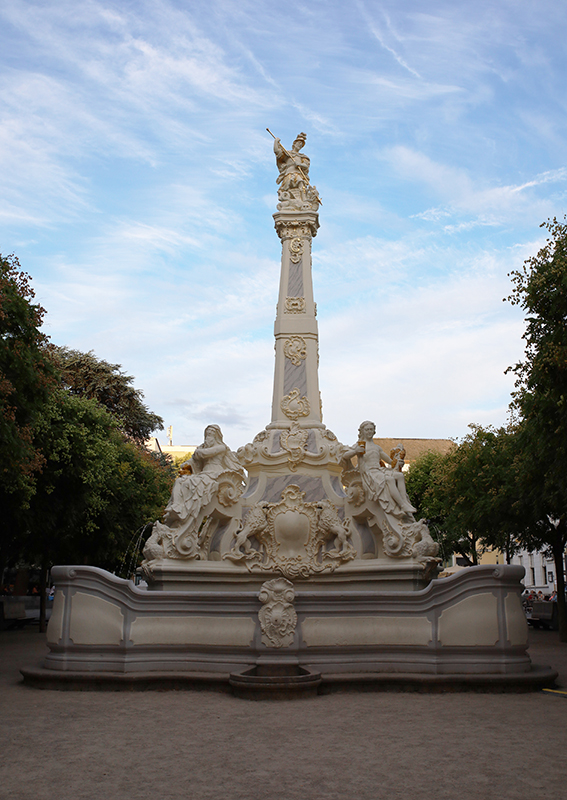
[294, 406]
[294, 305]
[277, 616]
[295, 349]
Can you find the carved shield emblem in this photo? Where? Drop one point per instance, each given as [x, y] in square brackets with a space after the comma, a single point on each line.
[291, 532]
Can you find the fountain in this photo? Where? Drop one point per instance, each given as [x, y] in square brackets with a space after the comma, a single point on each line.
[295, 565]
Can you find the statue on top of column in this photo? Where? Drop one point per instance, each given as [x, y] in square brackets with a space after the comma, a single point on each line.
[295, 193]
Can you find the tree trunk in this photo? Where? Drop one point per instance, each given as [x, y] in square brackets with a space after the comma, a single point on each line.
[558, 557]
[474, 553]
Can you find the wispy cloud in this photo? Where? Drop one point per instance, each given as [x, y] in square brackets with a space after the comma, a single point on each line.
[380, 36]
[466, 194]
[138, 183]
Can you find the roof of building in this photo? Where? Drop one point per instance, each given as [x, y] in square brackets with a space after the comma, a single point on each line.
[416, 447]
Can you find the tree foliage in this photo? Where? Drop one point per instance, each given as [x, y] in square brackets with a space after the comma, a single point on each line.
[506, 488]
[423, 482]
[540, 399]
[95, 490]
[26, 377]
[76, 482]
[85, 375]
[469, 494]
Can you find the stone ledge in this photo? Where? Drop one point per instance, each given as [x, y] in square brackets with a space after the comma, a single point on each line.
[84, 681]
[537, 678]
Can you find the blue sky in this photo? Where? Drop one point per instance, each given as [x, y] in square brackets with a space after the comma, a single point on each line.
[138, 183]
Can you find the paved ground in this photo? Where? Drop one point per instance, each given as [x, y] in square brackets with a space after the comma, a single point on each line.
[200, 745]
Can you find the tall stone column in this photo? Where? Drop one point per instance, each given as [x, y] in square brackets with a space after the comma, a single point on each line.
[306, 510]
[295, 447]
[296, 382]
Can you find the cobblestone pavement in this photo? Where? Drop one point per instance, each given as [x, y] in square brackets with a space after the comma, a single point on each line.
[202, 745]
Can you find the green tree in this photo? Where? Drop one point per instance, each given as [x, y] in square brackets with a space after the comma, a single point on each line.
[422, 485]
[95, 488]
[540, 401]
[85, 375]
[26, 379]
[75, 481]
[470, 494]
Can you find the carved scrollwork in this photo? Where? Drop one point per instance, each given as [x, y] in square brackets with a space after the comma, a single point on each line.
[294, 441]
[294, 406]
[293, 537]
[414, 540]
[295, 250]
[396, 544]
[191, 541]
[354, 489]
[164, 543]
[295, 348]
[277, 616]
[296, 228]
[259, 447]
[230, 489]
[294, 305]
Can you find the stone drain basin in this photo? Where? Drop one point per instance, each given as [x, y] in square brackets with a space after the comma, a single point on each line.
[275, 682]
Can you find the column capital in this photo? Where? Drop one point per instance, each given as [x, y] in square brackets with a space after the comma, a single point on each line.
[303, 224]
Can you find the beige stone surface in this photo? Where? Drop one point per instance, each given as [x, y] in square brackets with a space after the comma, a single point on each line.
[515, 620]
[94, 620]
[471, 622]
[55, 626]
[207, 746]
[338, 631]
[227, 631]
